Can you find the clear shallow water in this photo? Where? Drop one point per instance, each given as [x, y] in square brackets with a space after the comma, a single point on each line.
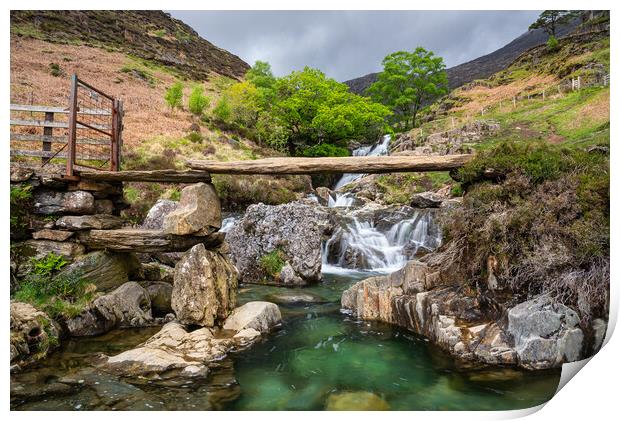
[317, 352]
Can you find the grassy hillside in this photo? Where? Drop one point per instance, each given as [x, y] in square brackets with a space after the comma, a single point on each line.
[154, 137]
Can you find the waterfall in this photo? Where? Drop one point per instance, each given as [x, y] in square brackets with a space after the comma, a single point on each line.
[378, 149]
[361, 245]
[229, 223]
[341, 200]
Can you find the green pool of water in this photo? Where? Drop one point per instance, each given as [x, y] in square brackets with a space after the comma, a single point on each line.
[318, 357]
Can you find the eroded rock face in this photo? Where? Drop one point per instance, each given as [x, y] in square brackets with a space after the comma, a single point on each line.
[127, 306]
[106, 270]
[32, 333]
[427, 200]
[295, 229]
[537, 334]
[205, 287]
[198, 213]
[545, 334]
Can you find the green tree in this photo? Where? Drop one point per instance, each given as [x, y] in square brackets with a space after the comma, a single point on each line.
[313, 109]
[261, 75]
[174, 96]
[549, 20]
[244, 101]
[409, 80]
[198, 101]
[222, 110]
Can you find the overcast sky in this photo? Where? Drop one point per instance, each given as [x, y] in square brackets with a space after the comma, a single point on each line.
[348, 44]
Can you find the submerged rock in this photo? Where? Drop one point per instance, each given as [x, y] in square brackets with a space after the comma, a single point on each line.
[198, 213]
[356, 401]
[295, 297]
[295, 230]
[33, 333]
[127, 306]
[205, 287]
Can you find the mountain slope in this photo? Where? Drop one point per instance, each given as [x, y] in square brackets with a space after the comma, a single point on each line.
[481, 67]
[151, 35]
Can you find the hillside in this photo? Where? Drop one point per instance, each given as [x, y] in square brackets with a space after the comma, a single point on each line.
[150, 34]
[481, 67]
[122, 59]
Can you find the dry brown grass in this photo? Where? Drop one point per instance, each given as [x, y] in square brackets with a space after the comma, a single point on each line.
[146, 114]
[483, 97]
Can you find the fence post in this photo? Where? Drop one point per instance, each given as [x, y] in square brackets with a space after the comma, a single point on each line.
[72, 125]
[543, 95]
[578, 82]
[114, 138]
[47, 131]
[452, 122]
[514, 102]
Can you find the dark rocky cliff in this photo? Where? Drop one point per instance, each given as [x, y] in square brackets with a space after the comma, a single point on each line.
[152, 35]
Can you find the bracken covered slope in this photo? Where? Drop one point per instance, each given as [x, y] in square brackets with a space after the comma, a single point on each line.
[152, 35]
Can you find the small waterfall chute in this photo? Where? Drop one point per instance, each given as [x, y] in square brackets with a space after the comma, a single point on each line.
[378, 149]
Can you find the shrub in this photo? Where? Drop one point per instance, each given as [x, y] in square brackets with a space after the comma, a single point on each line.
[544, 219]
[553, 44]
[194, 137]
[174, 96]
[56, 70]
[61, 295]
[272, 262]
[197, 101]
[20, 203]
[222, 110]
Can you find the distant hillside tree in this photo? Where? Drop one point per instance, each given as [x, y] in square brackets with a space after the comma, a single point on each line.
[198, 101]
[409, 80]
[261, 75]
[174, 96]
[549, 20]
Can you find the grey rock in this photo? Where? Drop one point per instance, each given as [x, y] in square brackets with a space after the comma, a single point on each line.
[198, 213]
[155, 217]
[88, 222]
[261, 316]
[127, 306]
[296, 229]
[160, 294]
[41, 248]
[54, 235]
[289, 277]
[155, 271]
[32, 332]
[106, 270]
[426, 200]
[104, 206]
[49, 202]
[546, 334]
[205, 287]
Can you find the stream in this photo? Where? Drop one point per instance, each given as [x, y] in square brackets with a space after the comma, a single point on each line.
[316, 354]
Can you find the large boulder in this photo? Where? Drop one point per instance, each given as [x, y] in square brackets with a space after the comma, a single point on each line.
[546, 334]
[198, 213]
[155, 217]
[127, 306]
[205, 287]
[427, 200]
[33, 333]
[106, 270]
[294, 231]
[49, 202]
[261, 316]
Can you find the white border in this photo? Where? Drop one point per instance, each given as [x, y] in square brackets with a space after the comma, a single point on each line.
[591, 395]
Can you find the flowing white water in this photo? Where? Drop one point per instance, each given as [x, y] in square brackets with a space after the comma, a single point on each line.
[378, 149]
[342, 200]
[229, 223]
[360, 245]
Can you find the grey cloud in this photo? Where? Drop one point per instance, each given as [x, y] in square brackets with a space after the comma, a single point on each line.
[348, 44]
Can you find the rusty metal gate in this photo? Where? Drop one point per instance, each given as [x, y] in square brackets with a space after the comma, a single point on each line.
[90, 130]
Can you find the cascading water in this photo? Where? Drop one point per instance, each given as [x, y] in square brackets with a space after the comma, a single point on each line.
[229, 223]
[378, 149]
[341, 200]
[361, 245]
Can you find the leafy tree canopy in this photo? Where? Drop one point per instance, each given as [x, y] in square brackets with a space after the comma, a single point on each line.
[550, 19]
[408, 81]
